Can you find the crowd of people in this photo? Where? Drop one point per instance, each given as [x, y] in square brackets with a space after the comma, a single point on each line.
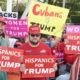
[38, 44]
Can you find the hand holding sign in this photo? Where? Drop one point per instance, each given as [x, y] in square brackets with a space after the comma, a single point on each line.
[22, 68]
[55, 67]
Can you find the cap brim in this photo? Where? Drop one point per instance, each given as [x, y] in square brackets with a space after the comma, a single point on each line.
[34, 32]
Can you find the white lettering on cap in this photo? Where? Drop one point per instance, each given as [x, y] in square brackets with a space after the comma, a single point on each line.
[34, 28]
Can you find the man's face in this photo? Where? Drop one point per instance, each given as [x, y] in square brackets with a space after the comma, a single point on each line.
[34, 38]
[1, 28]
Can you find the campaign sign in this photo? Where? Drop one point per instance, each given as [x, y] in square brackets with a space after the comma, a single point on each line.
[9, 15]
[39, 66]
[73, 39]
[51, 19]
[10, 59]
[16, 28]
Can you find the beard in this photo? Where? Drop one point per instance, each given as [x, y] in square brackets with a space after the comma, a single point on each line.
[34, 43]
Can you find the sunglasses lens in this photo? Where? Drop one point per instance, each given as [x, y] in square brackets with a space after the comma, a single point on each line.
[33, 35]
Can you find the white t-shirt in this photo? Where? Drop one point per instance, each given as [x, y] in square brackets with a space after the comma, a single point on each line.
[12, 42]
[65, 76]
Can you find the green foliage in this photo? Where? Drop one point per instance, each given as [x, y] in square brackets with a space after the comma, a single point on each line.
[20, 7]
[3, 4]
[50, 2]
[73, 5]
[75, 19]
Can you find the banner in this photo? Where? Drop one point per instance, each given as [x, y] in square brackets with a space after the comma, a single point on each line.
[10, 59]
[73, 39]
[9, 15]
[51, 19]
[16, 28]
[39, 66]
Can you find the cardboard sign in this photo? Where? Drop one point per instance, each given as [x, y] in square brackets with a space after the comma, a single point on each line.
[10, 59]
[16, 28]
[51, 19]
[73, 39]
[73, 29]
[39, 66]
[9, 15]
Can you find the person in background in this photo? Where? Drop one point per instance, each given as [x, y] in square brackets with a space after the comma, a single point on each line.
[12, 41]
[68, 58]
[75, 69]
[43, 38]
[34, 46]
[54, 50]
[58, 51]
[47, 39]
[65, 76]
[19, 42]
[3, 42]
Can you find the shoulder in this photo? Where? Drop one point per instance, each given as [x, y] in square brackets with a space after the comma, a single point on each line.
[63, 77]
[3, 39]
[4, 42]
[23, 45]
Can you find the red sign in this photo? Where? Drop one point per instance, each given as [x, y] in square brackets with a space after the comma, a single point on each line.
[39, 66]
[73, 43]
[10, 59]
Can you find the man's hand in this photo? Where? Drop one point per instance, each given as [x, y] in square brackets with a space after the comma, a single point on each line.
[22, 67]
[55, 67]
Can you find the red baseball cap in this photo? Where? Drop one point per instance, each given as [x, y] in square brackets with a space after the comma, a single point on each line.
[2, 20]
[69, 58]
[18, 43]
[34, 29]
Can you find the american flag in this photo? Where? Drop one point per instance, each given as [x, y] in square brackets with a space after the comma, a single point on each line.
[75, 69]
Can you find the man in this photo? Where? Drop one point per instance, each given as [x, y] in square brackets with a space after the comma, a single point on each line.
[3, 42]
[65, 76]
[35, 47]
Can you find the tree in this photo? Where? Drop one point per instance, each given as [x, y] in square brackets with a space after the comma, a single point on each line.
[20, 7]
[3, 4]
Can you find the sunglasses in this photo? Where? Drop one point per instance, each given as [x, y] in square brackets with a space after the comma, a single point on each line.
[33, 35]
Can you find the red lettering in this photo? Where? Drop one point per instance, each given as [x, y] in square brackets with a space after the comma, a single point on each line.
[57, 14]
[42, 13]
[34, 9]
[45, 12]
[52, 14]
